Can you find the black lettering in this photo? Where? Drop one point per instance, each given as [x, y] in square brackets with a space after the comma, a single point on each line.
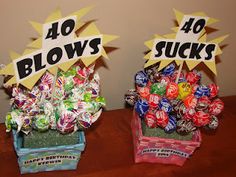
[169, 47]
[159, 46]
[38, 62]
[195, 50]
[24, 67]
[94, 45]
[209, 49]
[55, 52]
[77, 47]
[68, 24]
[183, 48]
[52, 32]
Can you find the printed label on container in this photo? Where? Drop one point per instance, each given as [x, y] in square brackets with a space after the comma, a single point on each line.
[164, 152]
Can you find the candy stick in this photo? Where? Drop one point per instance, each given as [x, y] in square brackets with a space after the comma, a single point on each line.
[53, 86]
[179, 71]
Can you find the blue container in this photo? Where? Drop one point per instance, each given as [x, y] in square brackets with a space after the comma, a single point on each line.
[32, 160]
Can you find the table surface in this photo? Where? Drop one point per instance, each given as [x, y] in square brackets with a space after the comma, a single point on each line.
[109, 151]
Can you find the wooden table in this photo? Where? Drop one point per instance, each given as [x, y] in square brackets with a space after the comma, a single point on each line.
[109, 151]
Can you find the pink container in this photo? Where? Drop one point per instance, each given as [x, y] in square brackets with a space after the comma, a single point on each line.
[161, 150]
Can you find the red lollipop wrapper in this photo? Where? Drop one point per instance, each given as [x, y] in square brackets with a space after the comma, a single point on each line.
[193, 77]
[190, 101]
[144, 92]
[201, 118]
[150, 120]
[216, 107]
[214, 89]
[172, 90]
[203, 103]
[174, 76]
[154, 100]
[188, 115]
[162, 118]
[165, 80]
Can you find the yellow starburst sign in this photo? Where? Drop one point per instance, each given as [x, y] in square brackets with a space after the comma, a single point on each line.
[187, 44]
[59, 46]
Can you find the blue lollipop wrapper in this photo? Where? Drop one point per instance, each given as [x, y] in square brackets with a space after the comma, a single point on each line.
[141, 107]
[141, 79]
[172, 124]
[201, 91]
[165, 105]
[169, 70]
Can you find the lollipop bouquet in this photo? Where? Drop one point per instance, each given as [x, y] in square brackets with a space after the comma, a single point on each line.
[73, 104]
[48, 120]
[169, 112]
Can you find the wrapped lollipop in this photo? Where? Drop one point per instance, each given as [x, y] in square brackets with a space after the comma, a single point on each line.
[162, 118]
[66, 122]
[185, 89]
[216, 107]
[193, 77]
[141, 79]
[144, 92]
[169, 70]
[41, 123]
[141, 107]
[158, 88]
[172, 90]
[131, 97]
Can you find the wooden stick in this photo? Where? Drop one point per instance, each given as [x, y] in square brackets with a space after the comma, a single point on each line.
[179, 71]
[53, 86]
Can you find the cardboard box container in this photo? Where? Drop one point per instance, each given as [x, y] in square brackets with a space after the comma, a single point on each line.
[161, 150]
[32, 160]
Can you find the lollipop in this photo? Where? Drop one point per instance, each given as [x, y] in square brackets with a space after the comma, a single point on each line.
[172, 90]
[84, 119]
[165, 80]
[162, 118]
[189, 113]
[67, 121]
[214, 89]
[158, 88]
[41, 123]
[169, 70]
[203, 103]
[185, 127]
[141, 107]
[154, 100]
[165, 105]
[185, 89]
[150, 120]
[193, 77]
[172, 124]
[144, 92]
[214, 123]
[131, 97]
[216, 107]
[201, 119]
[190, 101]
[202, 90]
[141, 79]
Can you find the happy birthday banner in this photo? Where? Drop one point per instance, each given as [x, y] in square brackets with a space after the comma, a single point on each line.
[57, 47]
[188, 44]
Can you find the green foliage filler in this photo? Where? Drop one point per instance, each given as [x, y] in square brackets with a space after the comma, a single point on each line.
[158, 132]
[49, 138]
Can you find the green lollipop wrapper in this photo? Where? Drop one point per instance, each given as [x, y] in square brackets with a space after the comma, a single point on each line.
[158, 88]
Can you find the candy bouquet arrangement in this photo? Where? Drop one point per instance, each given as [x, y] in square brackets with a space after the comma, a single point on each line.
[169, 112]
[55, 91]
[48, 122]
[73, 104]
